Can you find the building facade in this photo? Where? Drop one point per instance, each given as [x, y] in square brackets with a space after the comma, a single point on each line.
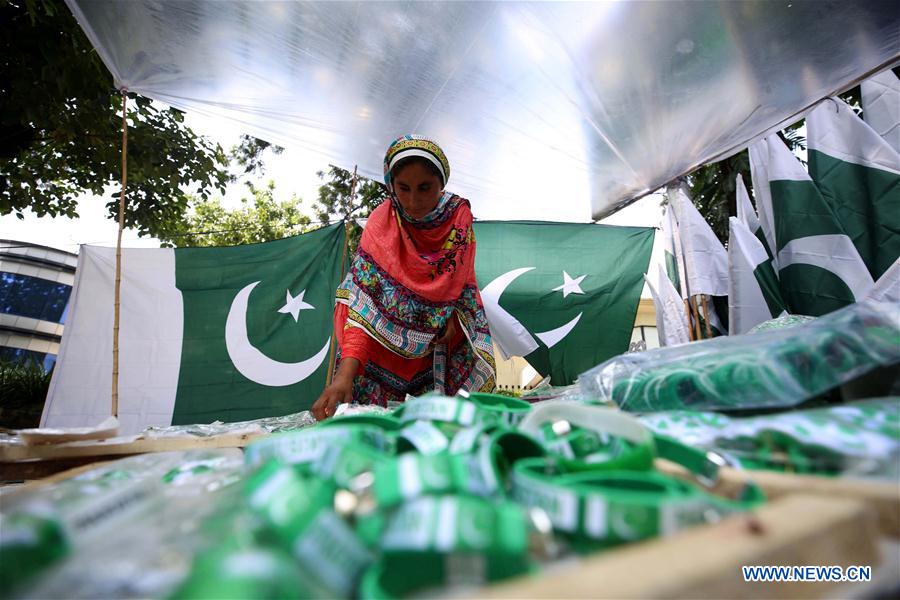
[35, 286]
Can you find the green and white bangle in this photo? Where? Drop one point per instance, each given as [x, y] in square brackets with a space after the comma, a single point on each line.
[612, 507]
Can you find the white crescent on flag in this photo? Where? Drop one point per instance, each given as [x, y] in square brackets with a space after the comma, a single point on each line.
[511, 337]
[253, 364]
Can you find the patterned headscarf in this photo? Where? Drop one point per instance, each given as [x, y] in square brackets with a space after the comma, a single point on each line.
[415, 145]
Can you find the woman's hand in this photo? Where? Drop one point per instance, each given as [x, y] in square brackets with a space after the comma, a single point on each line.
[340, 391]
[449, 332]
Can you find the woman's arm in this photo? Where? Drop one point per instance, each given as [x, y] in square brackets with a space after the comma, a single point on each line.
[340, 390]
[355, 348]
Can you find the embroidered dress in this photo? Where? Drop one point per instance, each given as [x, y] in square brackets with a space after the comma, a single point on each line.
[405, 283]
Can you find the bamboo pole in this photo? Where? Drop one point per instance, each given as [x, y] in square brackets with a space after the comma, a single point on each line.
[706, 316]
[699, 336]
[687, 315]
[118, 284]
[331, 351]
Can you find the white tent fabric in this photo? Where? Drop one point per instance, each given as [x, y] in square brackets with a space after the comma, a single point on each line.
[586, 105]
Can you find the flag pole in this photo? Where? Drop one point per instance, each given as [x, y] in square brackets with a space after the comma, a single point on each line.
[699, 336]
[331, 358]
[706, 315]
[118, 284]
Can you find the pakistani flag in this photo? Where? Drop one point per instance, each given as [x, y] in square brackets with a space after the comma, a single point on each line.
[563, 295]
[887, 289]
[671, 321]
[819, 268]
[858, 173]
[759, 165]
[747, 215]
[881, 106]
[705, 259]
[206, 334]
[670, 249]
[754, 295]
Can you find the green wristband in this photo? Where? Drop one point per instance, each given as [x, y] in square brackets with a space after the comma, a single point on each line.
[308, 445]
[457, 411]
[510, 411]
[434, 541]
[612, 507]
[298, 515]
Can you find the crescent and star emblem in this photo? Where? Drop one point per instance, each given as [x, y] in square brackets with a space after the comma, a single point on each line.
[509, 333]
[253, 364]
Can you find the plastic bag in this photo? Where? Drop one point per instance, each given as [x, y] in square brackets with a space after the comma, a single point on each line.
[769, 369]
[781, 323]
[126, 529]
[289, 422]
[861, 439]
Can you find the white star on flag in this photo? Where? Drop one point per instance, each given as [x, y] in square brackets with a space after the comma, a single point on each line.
[295, 305]
[570, 286]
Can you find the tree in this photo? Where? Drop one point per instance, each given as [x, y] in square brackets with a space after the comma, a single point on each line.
[259, 219]
[335, 201]
[60, 130]
[713, 187]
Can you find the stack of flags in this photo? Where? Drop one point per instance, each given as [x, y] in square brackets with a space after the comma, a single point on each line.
[821, 239]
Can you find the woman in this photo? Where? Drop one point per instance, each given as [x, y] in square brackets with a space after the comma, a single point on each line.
[409, 317]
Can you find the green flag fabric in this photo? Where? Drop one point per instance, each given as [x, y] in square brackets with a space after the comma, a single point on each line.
[669, 252]
[819, 268]
[858, 173]
[206, 334]
[274, 303]
[563, 295]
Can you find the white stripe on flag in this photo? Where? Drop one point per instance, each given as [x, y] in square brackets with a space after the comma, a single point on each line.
[746, 303]
[150, 333]
[671, 323]
[835, 253]
[834, 129]
[745, 211]
[881, 106]
[887, 288]
[759, 170]
[706, 261]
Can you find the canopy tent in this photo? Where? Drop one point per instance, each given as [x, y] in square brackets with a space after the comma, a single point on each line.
[585, 105]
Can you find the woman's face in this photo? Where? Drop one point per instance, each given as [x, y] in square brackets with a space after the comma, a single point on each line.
[418, 189]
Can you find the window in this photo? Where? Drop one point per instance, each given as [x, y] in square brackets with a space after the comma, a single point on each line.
[33, 297]
[20, 355]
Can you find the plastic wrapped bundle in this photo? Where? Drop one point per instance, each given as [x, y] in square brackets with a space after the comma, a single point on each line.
[127, 529]
[861, 439]
[781, 322]
[769, 369]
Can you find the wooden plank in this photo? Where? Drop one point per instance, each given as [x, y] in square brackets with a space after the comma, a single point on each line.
[59, 475]
[116, 447]
[883, 497]
[34, 470]
[706, 561]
